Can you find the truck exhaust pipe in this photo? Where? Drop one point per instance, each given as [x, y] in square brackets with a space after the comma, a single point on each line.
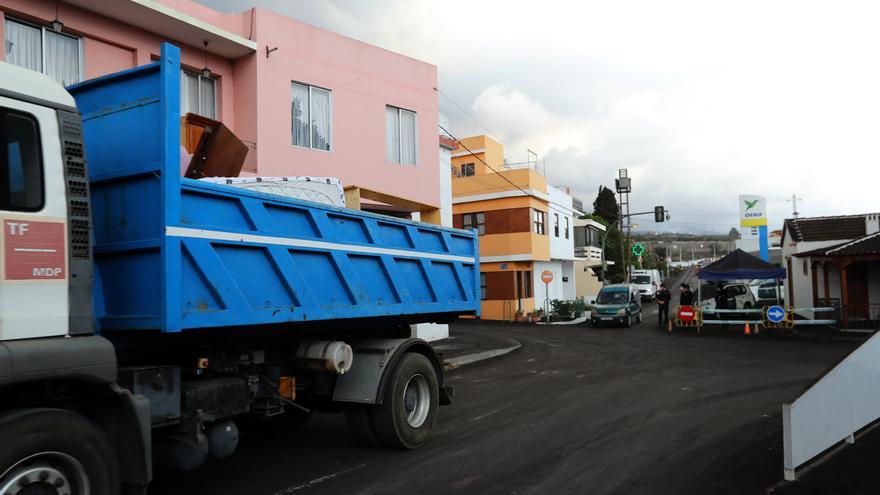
[326, 356]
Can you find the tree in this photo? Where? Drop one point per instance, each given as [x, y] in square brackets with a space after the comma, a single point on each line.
[605, 212]
[605, 205]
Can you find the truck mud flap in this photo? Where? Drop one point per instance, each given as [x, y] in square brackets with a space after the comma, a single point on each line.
[365, 381]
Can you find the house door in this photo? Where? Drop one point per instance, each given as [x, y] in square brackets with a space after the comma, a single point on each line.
[857, 289]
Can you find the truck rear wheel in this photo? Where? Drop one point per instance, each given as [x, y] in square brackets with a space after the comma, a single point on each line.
[55, 451]
[408, 413]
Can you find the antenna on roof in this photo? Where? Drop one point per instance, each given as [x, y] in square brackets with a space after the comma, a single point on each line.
[794, 199]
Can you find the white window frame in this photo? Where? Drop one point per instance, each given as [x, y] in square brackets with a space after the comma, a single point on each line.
[43, 30]
[199, 93]
[472, 221]
[309, 106]
[472, 167]
[399, 137]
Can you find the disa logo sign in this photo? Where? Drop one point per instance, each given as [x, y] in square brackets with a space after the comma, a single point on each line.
[751, 204]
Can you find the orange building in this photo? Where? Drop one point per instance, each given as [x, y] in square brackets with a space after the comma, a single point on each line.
[509, 209]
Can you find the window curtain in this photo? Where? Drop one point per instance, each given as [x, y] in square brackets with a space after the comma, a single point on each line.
[392, 131]
[299, 114]
[207, 100]
[407, 137]
[62, 58]
[24, 47]
[320, 113]
[189, 93]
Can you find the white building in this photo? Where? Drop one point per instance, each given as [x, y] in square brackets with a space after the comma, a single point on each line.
[434, 331]
[560, 229]
[834, 261]
[588, 252]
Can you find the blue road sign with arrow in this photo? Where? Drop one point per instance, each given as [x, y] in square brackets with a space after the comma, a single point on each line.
[775, 314]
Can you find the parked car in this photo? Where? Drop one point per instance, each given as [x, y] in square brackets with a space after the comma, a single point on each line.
[647, 282]
[738, 291]
[754, 285]
[770, 291]
[618, 303]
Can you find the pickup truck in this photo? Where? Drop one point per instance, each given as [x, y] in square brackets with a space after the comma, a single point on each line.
[144, 315]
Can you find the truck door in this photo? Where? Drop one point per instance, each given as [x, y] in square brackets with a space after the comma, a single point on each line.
[33, 223]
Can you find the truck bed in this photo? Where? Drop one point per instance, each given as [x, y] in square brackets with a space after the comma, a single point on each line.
[175, 254]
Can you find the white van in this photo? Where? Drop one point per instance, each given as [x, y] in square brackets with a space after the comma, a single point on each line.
[647, 282]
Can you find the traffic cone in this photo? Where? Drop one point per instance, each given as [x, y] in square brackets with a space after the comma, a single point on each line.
[668, 325]
[747, 330]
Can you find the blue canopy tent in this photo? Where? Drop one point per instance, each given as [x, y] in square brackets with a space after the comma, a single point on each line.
[740, 265]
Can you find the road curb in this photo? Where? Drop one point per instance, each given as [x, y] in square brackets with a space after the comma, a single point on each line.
[479, 356]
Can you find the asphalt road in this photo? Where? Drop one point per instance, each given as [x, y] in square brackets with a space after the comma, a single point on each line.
[575, 410]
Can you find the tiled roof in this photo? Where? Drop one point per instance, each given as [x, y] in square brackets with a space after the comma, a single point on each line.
[826, 228]
[868, 245]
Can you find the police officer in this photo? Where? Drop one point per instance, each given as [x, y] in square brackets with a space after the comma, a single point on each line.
[663, 298]
[687, 297]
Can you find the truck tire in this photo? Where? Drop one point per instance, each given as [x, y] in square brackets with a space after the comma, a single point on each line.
[48, 448]
[406, 417]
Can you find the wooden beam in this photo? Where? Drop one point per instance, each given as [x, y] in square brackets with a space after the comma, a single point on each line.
[389, 199]
[431, 216]
[827, 286]
[815, 284]
[354, 195]
[844, 297]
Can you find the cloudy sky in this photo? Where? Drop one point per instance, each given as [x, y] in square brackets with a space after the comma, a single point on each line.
[700, 100]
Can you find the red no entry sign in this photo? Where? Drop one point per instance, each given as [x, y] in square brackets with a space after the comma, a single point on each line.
[547, 276]
[34, 250]
[686, 313]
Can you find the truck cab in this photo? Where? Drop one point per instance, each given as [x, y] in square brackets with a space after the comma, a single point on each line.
[648, 283]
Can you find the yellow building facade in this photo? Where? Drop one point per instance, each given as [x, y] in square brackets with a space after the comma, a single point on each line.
[508, 205]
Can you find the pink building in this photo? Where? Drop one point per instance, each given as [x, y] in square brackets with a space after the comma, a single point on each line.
[306, 101]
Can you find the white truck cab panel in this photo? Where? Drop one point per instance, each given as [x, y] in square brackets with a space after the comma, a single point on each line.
[33, 208]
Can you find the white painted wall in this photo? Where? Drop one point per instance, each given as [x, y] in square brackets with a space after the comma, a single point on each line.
[445, 178]
[560, 204]
[587, 284]
[558, 288]
[434, 331]
[801, 283]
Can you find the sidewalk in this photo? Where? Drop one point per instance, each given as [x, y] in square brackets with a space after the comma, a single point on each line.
[463, 347]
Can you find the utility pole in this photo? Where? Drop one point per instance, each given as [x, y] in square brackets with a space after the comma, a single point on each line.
[794, 199]
[623, 185]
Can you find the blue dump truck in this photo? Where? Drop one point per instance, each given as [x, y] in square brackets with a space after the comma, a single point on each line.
[144, 316]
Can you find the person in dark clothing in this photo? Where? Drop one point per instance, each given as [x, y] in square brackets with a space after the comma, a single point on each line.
[663, 298]
[687, 297]
[721, 300]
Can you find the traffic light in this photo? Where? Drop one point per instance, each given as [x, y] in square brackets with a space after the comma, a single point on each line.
[659, 214]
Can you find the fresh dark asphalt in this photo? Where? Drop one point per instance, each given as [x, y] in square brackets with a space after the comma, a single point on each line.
[575, 410]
